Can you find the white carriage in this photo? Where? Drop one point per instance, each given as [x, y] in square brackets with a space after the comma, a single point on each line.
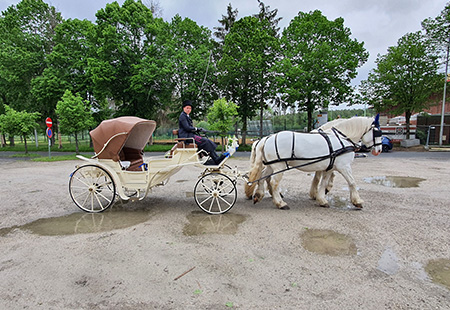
[118, 168]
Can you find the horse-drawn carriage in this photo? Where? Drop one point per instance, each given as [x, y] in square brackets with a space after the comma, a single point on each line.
[118, 168]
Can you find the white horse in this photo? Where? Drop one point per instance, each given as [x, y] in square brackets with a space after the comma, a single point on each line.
[353, 136]
[311, 152]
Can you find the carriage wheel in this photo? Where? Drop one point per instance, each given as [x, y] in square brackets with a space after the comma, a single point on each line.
[215, 193]
[92, 188]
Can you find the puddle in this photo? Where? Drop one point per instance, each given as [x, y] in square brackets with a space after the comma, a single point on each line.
[201, 223]
[340, 203]
[328, 242]
[83, 223]
[439, 271]
[395, 181]
[388, 262]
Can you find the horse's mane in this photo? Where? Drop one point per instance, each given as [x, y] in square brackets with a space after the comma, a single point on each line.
[353, 127]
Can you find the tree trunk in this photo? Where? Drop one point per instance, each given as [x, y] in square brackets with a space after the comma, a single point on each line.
[310, 112]
[76, 144]
[408, 118]
[59, 136]
[25, 143]
[261, 115]
[3, 138]
[244, 131]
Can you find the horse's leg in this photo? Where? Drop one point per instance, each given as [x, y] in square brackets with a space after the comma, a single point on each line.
[315, 184]
[356, 200]
[260, 187]
[269, 187]
[330, 183]
[276, 195]
[323, 202]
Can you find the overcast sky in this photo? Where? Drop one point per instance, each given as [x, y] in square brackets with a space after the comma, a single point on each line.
[377, 23]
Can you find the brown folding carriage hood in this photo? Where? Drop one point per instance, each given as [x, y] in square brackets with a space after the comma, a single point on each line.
[127, 131]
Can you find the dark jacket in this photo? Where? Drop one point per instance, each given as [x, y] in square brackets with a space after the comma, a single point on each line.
[185, 126]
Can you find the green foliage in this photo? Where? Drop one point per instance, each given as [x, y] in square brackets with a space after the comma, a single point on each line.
[249, 51]
[189, 49]
[404, 78]
[67, 66]
[74, 115]
[438, 31]
[26, 38]
[130, 63]
[18, 123]
[319, 61]
[221, 116]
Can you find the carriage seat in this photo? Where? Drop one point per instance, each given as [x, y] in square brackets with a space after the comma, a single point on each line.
[133, 156]
[180, 143]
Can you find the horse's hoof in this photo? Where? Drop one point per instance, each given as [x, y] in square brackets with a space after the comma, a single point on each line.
[326, 191]
[324, 206]
[358, 206]
[284, 208]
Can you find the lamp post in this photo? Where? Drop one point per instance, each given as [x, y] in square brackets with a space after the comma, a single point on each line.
[428, 137]
[441, 130]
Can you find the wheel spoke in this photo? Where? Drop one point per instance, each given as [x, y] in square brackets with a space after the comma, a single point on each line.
[92, 188]
[215, 193]
[224, 200]
[208, 198]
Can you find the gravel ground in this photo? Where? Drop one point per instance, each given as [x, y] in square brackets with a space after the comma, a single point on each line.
[164, 253]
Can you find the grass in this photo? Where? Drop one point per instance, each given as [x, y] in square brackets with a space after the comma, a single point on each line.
[55, 158]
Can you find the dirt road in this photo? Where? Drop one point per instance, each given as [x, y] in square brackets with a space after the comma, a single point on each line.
[164, 253]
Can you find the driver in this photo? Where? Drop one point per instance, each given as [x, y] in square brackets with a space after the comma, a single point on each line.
[187, 130]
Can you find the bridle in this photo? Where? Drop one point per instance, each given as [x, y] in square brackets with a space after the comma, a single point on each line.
[376, 133]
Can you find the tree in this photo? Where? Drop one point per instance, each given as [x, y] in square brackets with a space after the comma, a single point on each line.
[21, 123]
[124, 38]
[226, 23]
[67, 65]
[270, 54]
[190, 48]
[26, 39]
[404, 79]
[248, 51]
[318, 63]
[438, 32]
[221, 117]
[74, 115]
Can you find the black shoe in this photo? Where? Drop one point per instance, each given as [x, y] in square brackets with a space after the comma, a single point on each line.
[210, 162]
[219, 159]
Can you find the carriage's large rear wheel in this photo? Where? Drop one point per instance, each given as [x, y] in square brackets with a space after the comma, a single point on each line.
[92, 188]
[215, 193]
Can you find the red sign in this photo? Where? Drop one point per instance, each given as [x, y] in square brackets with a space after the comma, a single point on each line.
[48, 121]
[49, 133]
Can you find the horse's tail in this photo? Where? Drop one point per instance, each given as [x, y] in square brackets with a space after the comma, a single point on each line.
[256, 167]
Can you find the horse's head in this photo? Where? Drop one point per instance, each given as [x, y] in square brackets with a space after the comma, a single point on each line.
[372, 138]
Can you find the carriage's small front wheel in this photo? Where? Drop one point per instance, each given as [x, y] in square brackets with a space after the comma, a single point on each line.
[92, 188]
[215, 193]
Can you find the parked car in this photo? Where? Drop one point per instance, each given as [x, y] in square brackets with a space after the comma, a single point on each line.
[386, 144]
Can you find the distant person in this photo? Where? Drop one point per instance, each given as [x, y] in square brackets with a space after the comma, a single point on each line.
[187, 130]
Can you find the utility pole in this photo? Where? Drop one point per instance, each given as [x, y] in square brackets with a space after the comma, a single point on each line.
[441, 130]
